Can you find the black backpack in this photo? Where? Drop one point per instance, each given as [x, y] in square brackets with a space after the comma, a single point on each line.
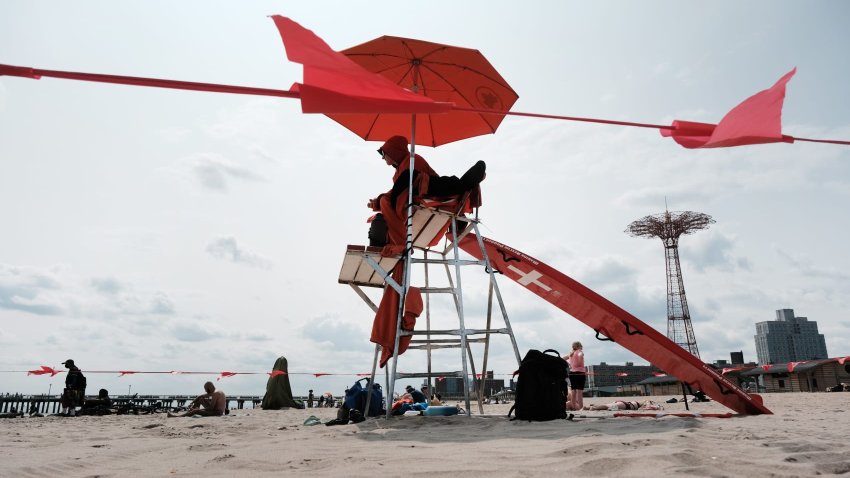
[76, 380]
[541, 389]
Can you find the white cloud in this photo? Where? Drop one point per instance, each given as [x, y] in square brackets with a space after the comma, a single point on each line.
[30, 290]
[195, 331]
[216, 173]
[58, 291]
[333, 333]
[714, 249]
[226, 249]
[803, 266]
[107, 285]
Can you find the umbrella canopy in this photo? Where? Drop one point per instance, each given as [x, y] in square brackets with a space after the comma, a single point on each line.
[441, 72]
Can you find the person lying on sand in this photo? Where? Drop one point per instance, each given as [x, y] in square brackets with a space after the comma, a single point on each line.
[210, 404]
[626, 405]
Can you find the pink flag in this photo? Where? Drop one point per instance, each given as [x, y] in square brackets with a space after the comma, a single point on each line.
[757, 120]
[333, 83]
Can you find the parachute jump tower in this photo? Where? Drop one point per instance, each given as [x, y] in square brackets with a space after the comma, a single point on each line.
[668, 227]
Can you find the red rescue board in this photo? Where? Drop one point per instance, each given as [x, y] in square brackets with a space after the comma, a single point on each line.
[613, 323]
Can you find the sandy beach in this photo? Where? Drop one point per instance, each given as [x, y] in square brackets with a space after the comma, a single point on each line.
[806, 436]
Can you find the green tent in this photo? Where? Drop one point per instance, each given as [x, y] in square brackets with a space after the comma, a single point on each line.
[278, 392]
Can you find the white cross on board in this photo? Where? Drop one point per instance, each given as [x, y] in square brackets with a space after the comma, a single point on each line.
[530, 278]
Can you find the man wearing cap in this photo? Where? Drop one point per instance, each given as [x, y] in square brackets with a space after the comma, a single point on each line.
[75, 389]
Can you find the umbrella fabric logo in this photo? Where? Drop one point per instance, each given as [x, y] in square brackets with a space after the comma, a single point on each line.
[488, 98]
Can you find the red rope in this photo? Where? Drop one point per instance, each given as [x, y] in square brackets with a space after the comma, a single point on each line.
[830, 141]
[35, 73]
[152, 82]
[567, 118]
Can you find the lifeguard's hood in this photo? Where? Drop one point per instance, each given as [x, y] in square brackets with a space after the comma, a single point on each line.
[396, 148]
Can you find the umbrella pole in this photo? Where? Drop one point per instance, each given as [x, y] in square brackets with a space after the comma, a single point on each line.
[408, 250]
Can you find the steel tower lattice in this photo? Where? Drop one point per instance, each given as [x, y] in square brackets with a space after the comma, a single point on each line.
[668, 227]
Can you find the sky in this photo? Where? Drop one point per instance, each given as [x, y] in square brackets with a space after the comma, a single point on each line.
[150, 229]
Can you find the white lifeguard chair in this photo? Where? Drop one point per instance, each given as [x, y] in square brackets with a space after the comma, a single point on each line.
[364, 266]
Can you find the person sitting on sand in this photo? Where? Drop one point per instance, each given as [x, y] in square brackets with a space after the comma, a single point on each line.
[626, 405]
[210, 404]
[412, 400]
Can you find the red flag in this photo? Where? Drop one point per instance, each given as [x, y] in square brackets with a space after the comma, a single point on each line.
[121, 373]
[659, 374]
[842, 360]
[319, 374]
[793, 365]
[44, 370]
[225, 375]
[333, 83]
[621, 374]
[276, 373]
[757, 120]
[766, 367]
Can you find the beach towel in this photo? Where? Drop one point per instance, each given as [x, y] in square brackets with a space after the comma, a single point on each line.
[278, 392]
[384, 326]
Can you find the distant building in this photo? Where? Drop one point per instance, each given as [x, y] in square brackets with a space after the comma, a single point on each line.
[789, 339]
[737, 358]
[491, 385]
[605, 378]
[452, 387]
[449, 387]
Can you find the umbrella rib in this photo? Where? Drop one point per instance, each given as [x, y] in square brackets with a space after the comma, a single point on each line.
[480, 115]
[377, 55]
[473, 70]
[389, 67]
[372, 126]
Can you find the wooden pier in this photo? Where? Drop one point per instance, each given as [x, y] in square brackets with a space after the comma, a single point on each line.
[50, 404]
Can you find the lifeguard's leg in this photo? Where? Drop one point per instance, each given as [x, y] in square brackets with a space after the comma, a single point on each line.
[474, 176]
[396, 224]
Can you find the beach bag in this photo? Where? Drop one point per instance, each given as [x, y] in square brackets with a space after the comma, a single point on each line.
[378, 231]
[355, 398]
[76, 380]
[541, 389]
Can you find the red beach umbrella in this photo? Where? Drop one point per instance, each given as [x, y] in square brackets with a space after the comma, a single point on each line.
[446, 74]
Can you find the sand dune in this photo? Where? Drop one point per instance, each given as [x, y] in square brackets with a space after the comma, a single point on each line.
[806, 436]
